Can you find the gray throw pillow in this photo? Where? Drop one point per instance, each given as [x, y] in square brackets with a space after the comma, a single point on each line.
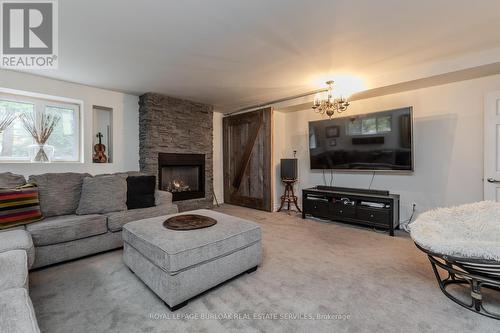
[11, 180]
[59, 193]
[103, 194]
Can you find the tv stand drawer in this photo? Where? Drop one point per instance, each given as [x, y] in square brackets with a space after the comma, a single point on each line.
[340, 210]
[317, 208]
[376, 216]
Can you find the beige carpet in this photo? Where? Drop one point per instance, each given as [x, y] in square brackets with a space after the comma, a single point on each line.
[316, 277]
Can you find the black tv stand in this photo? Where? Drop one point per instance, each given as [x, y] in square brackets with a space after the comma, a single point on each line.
[372, 208]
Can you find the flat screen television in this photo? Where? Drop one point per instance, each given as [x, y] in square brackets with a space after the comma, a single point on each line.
[372, 142]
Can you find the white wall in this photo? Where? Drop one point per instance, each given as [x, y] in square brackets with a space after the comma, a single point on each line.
[125, 124]
[218, 162]
[281, 149]
[448, 143]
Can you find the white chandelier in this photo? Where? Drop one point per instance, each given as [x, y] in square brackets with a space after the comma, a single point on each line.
[325, 103]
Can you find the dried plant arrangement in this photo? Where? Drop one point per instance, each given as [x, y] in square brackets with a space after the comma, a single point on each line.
[40, 131]
[6, 119]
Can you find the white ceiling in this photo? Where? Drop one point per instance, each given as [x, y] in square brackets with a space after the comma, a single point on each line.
[235, 53]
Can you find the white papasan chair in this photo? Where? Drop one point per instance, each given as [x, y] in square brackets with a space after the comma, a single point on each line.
[464, 243]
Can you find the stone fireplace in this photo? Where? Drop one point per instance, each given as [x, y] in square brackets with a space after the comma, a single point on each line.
[176, 145]
[182, 174]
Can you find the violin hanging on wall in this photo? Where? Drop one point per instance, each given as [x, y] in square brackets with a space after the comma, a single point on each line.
[99, 151]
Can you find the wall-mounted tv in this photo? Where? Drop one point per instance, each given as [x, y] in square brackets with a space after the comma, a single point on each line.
[373, 142]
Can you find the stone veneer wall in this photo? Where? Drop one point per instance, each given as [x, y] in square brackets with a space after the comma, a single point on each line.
[172, 125]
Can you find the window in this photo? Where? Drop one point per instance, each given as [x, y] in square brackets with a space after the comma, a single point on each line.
[384, 124]
[65, 138]
[15, 139]
[368, 126]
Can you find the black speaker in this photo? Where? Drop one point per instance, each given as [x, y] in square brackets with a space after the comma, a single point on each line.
[289, 169]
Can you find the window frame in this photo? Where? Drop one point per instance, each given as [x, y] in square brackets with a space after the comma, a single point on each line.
[40, 102]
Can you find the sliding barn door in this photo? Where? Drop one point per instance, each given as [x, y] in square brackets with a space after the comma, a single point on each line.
[247, 159]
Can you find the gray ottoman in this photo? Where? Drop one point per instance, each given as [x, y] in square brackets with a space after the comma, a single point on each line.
[178, 265]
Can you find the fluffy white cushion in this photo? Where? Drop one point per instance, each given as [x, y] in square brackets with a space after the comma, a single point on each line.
[466, 231]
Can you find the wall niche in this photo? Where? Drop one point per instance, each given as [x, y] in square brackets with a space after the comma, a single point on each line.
[102, 132]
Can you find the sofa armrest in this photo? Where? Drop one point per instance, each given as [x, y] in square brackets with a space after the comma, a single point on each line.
[163, 198]
[13, 270]
[18, 240]
[19, 227]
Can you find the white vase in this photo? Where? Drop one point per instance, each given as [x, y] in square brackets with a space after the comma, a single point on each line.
[41, 153]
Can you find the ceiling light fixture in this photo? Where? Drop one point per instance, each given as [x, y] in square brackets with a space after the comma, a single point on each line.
[326, 103]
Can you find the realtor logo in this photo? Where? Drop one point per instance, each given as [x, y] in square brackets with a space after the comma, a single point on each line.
[29, 34]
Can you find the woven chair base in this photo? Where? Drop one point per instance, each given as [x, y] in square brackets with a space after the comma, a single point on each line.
[473, 274]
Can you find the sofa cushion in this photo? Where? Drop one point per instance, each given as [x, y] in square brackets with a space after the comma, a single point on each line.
[11, 180]
[17, 239]
[13, 269]
[56, 253]
[140, 191]
[19, 206]
[174, 251]
[16, 312]
[59, 192]
[59, 229]
[103, 194]
[117, 220]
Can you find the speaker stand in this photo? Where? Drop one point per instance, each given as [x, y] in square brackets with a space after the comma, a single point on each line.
[289, 196]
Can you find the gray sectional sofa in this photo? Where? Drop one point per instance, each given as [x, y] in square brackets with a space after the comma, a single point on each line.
[62, 235]
[16, 257]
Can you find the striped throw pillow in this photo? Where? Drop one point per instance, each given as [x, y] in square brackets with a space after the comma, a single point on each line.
[19, 206]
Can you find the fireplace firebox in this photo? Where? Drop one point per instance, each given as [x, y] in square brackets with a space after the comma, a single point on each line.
[182, 174]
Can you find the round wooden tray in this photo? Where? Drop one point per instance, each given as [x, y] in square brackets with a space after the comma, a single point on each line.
[189, 222]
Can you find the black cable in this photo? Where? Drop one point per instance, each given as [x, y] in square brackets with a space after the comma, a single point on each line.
[371, 181]
[406, 225]
[324, 177]
[331, 177]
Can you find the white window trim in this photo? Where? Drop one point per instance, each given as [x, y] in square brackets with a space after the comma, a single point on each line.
[39, 101]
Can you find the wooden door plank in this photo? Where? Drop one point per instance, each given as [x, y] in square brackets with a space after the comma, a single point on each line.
[226, 145]
[246, 155]
[267, 160]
